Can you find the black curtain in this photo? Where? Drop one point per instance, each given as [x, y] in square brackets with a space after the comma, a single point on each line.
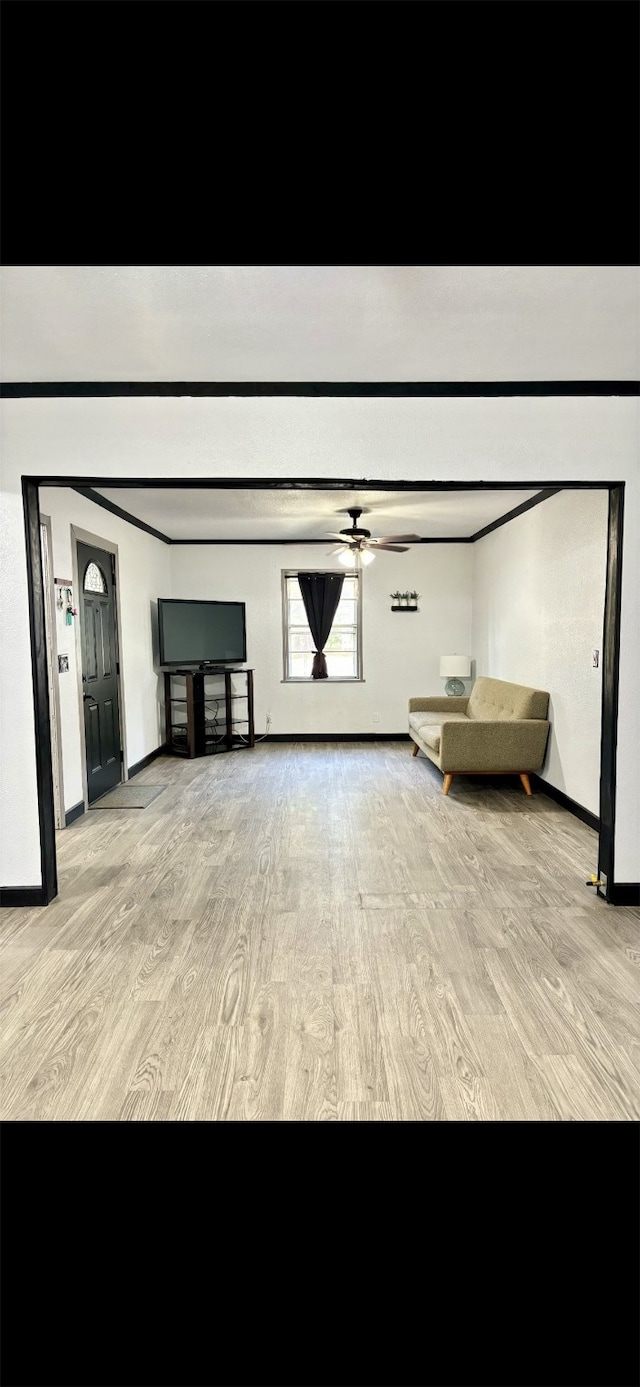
[321, 595]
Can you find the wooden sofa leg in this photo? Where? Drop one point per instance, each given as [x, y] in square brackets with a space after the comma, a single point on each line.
[416, 749]
[525, 781]
[447, 784]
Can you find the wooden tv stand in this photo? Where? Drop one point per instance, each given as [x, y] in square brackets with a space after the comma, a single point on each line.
[206, 713]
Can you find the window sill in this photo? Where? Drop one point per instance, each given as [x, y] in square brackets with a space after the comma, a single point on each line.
[329, 680]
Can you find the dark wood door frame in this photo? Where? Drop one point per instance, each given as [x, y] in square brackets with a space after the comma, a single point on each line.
[41, 708]
[610, 682]
[610, 644]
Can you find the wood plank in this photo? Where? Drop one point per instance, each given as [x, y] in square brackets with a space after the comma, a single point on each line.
[462, 1081]
[576, 1094]
[409, 1051]
[366, 1112]
[310, 1063]
[258, 1089]
[521, 1096]
[360, 1067]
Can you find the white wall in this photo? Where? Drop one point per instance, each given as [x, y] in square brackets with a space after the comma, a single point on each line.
[144, 576]
[320, 322]
[400, 651]
[538, 609]
[509, 438]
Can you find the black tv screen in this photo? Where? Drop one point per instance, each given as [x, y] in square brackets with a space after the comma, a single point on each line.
[193, 633]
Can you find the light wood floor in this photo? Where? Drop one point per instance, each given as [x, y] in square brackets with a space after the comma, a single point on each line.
[315, 932]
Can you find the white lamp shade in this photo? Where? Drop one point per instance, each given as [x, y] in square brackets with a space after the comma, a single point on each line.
[346, 557]
[366, 556]
[455, 666]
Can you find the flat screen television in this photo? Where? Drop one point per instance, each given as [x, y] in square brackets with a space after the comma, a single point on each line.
[201, 633]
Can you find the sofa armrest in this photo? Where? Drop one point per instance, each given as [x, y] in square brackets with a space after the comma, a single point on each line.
[517, 745]
[438, 705]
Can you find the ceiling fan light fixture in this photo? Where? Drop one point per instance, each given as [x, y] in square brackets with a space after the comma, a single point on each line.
[360, 547]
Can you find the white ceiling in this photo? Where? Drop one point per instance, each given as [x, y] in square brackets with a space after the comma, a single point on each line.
[319, 323]
[303, 515]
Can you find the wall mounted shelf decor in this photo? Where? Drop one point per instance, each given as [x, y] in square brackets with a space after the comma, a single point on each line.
[404, 601]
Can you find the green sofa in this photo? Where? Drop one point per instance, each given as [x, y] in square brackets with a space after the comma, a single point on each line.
[500, 729]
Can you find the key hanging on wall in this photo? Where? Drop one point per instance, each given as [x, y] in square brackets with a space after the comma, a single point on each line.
[71, 610]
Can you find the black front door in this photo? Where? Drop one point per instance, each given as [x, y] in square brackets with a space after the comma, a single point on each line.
[99, 670]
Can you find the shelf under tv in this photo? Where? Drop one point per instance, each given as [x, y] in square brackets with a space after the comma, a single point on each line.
[210, 698]
[200, 735]
[206, 669]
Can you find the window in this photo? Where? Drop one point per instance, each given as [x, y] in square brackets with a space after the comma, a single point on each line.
[94, 579]
[343, 648]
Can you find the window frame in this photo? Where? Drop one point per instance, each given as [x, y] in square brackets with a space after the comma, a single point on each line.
[331, 679]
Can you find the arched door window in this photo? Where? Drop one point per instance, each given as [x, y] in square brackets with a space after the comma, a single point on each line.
[94, 579]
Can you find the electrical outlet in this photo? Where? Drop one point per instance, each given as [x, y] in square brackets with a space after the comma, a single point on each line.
[376, 717]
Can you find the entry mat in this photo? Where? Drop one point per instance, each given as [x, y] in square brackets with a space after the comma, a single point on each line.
[129, 797]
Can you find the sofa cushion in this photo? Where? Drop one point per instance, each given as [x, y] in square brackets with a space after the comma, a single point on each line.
[420, 720]
[417, 720]
[494, 700]
[431, 736]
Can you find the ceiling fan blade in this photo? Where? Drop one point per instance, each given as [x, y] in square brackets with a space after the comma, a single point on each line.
[394, 548]
[397, 539]
[335, 534]
[339, 550]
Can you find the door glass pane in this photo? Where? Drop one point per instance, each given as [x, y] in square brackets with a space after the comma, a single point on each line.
[94, 579]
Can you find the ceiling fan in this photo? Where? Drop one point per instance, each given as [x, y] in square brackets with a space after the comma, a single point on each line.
[357, 543]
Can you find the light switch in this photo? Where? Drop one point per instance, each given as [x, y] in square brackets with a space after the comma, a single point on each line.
[596, 659]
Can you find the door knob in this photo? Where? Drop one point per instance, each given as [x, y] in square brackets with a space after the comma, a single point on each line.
[85, 695]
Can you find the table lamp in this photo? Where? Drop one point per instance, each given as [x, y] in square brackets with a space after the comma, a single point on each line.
[455, 668]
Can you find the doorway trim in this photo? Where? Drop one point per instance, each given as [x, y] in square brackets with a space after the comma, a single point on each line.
[52, 656]
[610, 645]
[80, 536]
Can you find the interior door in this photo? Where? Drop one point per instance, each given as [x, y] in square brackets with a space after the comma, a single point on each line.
[99, 670]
